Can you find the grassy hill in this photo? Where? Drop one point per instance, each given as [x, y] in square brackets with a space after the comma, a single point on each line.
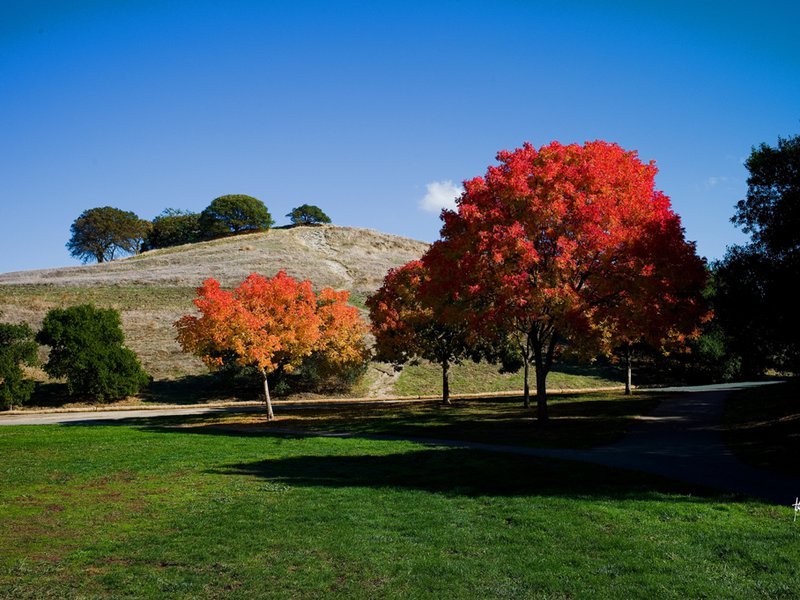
[154, 289]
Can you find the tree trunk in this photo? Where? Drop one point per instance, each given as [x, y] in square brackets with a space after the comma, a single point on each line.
[270, 414]
[526, 393]
[628, 371]
[541, 393]
[445, 382]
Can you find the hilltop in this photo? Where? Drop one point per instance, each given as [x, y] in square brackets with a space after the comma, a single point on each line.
[340, 257]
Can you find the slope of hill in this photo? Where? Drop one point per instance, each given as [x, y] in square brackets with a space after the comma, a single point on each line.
[340, 257]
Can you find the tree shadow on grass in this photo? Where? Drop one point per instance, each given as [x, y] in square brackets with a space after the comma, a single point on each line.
[469, 472]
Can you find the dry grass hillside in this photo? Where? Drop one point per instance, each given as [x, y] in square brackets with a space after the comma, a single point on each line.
[340, 257]
[154, 289]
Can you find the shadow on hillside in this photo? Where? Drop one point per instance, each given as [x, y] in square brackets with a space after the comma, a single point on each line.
[194, 389]
[187, 390]
[465, 472]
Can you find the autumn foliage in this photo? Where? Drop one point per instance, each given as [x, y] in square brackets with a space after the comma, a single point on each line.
[568, 247]
[273, 325]
[410, 322]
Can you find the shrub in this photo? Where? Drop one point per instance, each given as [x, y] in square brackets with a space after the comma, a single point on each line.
[87, 349]
[173, 228]
[16, 348]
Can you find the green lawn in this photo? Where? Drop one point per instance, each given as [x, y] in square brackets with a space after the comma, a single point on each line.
[425, 379]
[147, 511]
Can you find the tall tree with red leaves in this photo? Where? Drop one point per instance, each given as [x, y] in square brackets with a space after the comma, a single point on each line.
[547, 245]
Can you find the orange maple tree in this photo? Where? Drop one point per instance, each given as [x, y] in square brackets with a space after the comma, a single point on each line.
[546, 247]
[272, 325]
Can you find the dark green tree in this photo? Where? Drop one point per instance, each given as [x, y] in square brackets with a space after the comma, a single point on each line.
[17, 348]
[87, 349]
[308, 214]
[771, 211]
[233, 214]
[102, 233]
[173, 227]
[755, 298]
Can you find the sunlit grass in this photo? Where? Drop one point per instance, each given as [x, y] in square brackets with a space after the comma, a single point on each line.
[121, 511]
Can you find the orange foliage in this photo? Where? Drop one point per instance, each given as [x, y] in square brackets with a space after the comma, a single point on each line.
[272, 324]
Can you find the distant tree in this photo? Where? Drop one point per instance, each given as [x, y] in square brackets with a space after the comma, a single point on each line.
[173, 227]
[17, 348]
[87, 349]
[272, 325]
[101, 233]
[233, 214]
[308, 214]
[755, 283]
[410, 322]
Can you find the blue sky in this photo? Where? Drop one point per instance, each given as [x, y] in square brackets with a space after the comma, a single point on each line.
[364, 107]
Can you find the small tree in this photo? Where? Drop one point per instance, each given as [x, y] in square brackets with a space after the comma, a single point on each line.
[271, 325]
[102, 233]
[308, 214]
[16, 348]
[87, 349]
[173, 228]
[233, 214]
[409, 322]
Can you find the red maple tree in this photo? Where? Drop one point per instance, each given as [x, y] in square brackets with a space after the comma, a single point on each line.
[410, 322]
[272, 324]
[546, 246]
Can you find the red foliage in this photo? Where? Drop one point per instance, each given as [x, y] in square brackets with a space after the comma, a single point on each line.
[555, 246]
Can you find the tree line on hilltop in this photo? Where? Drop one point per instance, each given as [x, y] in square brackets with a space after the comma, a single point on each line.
[105, 233]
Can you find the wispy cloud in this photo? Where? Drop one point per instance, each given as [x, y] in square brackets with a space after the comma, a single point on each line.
[441, 194]
[712, 182]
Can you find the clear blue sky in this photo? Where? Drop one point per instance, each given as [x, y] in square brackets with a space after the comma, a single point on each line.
[359, 107]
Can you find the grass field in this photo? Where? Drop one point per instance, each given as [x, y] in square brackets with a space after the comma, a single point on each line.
[144, 510]
[763, 425]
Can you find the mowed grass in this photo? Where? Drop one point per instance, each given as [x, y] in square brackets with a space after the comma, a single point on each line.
[145, 511]
[763, 425]
[576, 420]
[425, 379]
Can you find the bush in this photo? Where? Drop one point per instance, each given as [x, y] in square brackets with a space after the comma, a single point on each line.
[308, 215]
[16, 348]
[173, 228]
[229, 215]
[87, 350]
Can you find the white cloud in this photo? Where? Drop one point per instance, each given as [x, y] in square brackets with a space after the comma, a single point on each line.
[441, 194]
[714, 182]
